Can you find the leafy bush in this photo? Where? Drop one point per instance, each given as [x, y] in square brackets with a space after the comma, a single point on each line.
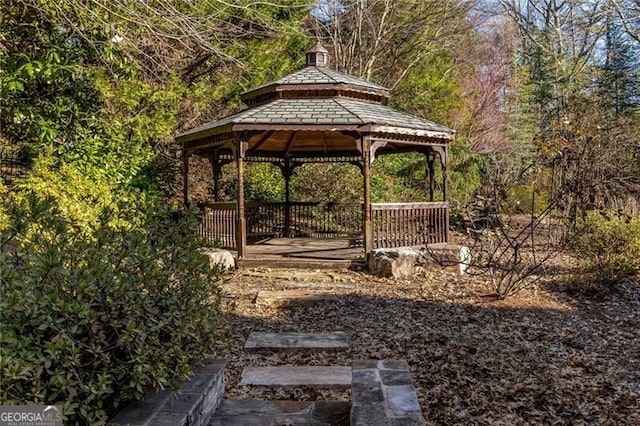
[94, 319]
[610, 248]
[263, 182]
[520, 197]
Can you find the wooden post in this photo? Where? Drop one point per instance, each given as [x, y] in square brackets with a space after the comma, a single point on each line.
[443, 161]
[241, 222]
[216, 165]
[287, 171]
[431, 157]
[185, 177]
[366, 206]
[444, 194]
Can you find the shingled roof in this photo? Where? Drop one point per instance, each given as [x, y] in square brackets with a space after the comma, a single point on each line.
[286, 114]
[324, 108]
[316, 76]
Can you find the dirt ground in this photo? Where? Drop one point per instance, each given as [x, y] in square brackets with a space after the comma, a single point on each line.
[543, 356]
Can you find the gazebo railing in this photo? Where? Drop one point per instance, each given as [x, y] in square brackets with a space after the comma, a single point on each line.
[326, 220]
[304, 219]
[394, 224]
[409, 224]
[265, 219]
[218, 224]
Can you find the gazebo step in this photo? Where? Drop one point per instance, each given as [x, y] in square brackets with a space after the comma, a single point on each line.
[332, 341]
[285, 263]
[318, 377]
[294, 297]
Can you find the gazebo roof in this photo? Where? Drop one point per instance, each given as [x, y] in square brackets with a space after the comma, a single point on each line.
[314, 75]
[316, 111]
[305, 114]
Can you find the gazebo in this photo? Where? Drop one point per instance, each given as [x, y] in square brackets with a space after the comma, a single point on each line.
[319, 115]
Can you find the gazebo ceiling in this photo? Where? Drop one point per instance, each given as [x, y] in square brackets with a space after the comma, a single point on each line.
[316, 111]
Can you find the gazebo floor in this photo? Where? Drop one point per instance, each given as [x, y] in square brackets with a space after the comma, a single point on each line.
[303, 253]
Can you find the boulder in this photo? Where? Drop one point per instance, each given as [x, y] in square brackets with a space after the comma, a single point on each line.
[394, 262]
[219, 258]
[404, 262]
[450, 256]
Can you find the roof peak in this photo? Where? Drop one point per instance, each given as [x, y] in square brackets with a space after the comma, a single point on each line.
[318, 56]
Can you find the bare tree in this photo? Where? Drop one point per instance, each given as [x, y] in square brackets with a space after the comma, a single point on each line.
[384, 39]
[629, 13]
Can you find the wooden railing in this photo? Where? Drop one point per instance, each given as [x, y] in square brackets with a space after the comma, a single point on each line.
[304, 219]
[218, 225]
[265, 219]
[409, 224]
[394, 224]
[326, 220]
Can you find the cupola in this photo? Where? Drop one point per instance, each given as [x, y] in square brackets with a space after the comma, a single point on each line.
[318, 56]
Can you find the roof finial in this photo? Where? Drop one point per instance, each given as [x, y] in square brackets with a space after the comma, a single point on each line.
[318, 56]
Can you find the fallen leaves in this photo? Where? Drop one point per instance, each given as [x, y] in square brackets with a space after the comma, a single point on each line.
[540, 357]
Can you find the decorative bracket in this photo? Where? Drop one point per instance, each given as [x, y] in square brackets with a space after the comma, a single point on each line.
[239, 146]
[442, 152]
[287, 167]
[375, 146]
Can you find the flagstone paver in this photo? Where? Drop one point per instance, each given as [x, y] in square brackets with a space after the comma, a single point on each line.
[330, 341]
[383, 394]
[272, 413]
[294, 297]
[325, 377]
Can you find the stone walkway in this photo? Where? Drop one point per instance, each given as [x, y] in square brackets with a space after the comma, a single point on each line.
[332, 341]
[329, 377]
[276, 413]
[290, 298]
[382, 390]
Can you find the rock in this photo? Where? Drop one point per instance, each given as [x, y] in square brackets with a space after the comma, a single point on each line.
[193, 406]
[394, 262]
[449, 255]
[219, 258]
[404, 262]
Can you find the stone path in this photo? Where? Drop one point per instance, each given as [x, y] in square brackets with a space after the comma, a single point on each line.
[317, 377]
[276, 413]
[332, 341]
[382, 390]
[290, 298]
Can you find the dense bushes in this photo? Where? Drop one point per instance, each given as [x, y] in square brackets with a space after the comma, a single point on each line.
[93, 317]
[610, 249]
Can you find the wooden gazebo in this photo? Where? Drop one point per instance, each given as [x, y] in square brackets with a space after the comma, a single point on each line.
[319, 115]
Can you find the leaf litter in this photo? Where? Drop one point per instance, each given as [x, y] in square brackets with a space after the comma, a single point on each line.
[540, 357]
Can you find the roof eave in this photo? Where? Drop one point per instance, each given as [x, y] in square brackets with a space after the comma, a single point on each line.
[205, 133]
[368, 128]
[277, 87]
[447, 134]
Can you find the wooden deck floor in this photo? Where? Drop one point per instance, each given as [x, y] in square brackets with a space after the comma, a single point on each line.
[304, 252]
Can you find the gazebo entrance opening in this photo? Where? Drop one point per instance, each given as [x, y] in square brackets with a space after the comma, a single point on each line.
[317, 115]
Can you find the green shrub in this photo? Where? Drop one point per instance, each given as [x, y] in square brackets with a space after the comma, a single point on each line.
[609, 248]
[93, 319]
